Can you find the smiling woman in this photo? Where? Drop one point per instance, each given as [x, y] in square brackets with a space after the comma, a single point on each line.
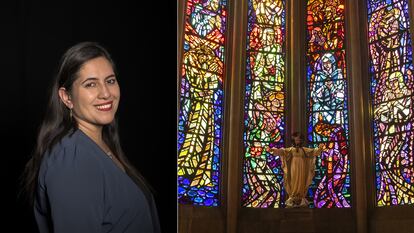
[93, 97]
[79, 179]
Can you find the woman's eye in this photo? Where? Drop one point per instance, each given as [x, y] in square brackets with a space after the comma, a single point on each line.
[112, 81]
[91, 84]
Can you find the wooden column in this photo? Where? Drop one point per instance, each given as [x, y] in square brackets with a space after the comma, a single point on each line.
[354, 54]
[180, 38]
[235, 116]
[296, 66]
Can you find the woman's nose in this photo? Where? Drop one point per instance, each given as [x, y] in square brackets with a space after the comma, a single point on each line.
[104, 92]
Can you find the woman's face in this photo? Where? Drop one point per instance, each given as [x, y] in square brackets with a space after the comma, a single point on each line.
[95, 93]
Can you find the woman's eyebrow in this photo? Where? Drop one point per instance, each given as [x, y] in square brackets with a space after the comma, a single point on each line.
[110, 76]
[94, 78]
[88, 79]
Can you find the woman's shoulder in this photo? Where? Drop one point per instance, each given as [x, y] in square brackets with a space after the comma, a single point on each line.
[72, 155]
[65, 144]
[70, 148]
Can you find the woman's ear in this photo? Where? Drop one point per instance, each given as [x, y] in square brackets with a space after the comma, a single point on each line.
[65, 97]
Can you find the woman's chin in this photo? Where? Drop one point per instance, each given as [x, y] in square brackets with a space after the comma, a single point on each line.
[105, 121]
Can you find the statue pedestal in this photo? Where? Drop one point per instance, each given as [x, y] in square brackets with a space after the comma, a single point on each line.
[297, 220]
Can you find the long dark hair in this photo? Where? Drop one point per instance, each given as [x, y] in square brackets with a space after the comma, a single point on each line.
[58, 123]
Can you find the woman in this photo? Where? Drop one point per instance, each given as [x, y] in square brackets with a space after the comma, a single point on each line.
[78, 177]
[298, 165]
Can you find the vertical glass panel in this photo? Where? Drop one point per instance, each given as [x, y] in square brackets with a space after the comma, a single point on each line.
[201, 102]
[392, 87]
[327, 103]
[264, 103]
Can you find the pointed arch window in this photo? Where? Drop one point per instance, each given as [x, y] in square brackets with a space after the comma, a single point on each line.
[327, 102]
[392, 97]
[264, 103]
[201, 102]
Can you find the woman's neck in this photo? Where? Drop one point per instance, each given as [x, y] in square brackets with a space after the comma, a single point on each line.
[94, 132]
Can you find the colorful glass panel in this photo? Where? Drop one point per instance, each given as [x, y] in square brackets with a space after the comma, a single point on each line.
[264, 109]
[327, 103]
[392, 88]
[201, 102]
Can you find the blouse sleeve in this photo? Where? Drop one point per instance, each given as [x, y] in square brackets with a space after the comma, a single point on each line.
[74, 184]
[154, 215]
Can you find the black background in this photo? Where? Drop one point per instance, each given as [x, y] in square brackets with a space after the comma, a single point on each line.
[142, 40]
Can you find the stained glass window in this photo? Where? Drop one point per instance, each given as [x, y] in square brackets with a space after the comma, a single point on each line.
[392, 87]
[201, 102]
[327, 103]
[264, 108]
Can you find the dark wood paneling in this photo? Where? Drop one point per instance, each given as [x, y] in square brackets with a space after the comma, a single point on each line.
[296, 220]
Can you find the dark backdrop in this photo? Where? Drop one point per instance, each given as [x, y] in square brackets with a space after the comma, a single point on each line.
[142, 40]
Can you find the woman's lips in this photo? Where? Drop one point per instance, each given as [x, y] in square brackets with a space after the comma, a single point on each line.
[104, 107]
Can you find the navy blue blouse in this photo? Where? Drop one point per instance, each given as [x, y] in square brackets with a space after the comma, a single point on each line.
[81, 190]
